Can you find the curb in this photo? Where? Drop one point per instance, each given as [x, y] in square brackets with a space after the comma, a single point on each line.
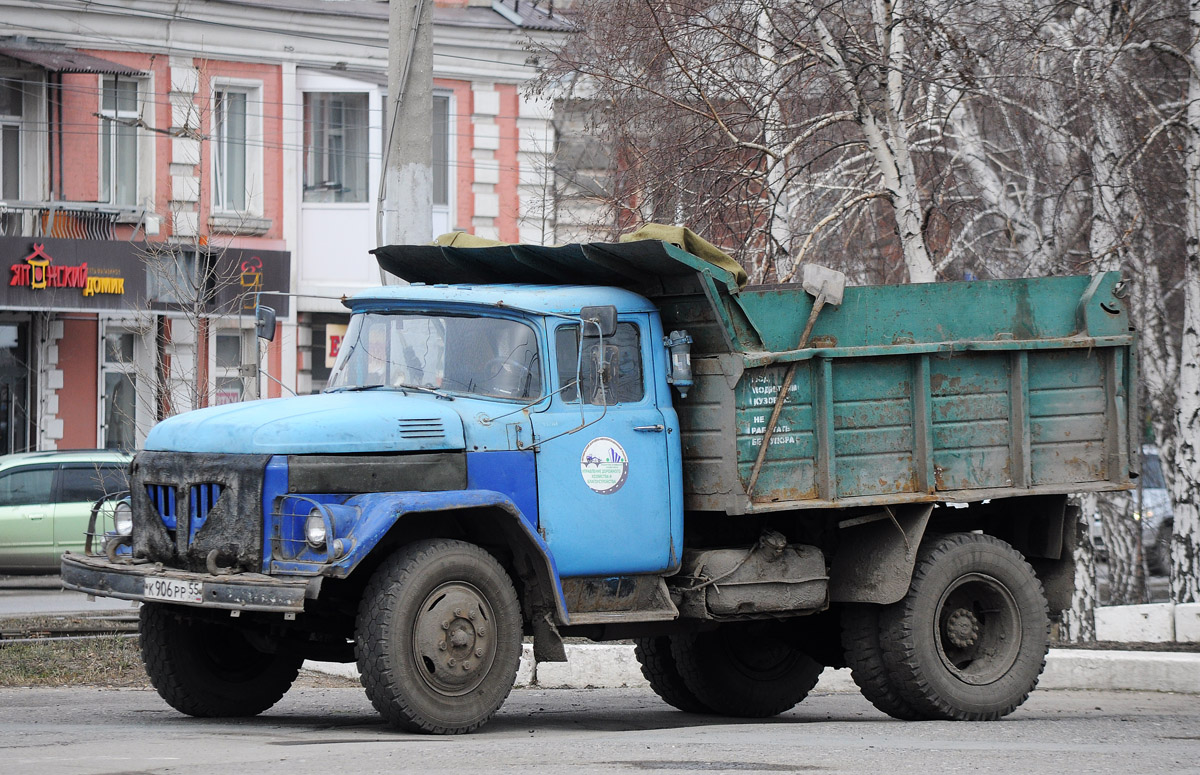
[602, 666]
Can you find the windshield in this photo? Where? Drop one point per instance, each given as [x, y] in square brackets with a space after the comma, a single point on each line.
[490, 357]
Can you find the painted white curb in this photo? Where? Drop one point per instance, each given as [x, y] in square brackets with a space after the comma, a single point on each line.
[1151, 623]
[602, 666]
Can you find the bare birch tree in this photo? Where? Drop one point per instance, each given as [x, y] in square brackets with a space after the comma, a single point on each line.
[769, 126]
[1185, 553]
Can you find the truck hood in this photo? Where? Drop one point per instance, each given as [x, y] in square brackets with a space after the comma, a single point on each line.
[332, 423]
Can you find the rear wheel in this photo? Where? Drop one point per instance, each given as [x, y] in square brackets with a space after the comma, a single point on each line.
[205, 669]
[860, 639]
[969, 640]
[439, 637]
[659, 668]
[747, 669]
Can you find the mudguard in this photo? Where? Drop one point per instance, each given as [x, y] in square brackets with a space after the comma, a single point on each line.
[379, 512]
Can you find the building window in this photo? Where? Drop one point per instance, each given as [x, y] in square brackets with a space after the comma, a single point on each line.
[335, 147]
[15, 404]
[120, 389]
[441, 151]
[229, 162]
[10, 138]
[233, 367]
[119, 141]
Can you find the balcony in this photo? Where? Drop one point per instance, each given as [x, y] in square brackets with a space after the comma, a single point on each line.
[70, 220]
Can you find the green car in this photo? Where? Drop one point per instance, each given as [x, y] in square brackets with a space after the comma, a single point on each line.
[46, 500]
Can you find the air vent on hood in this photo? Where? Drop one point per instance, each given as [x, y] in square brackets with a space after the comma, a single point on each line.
[417, 428]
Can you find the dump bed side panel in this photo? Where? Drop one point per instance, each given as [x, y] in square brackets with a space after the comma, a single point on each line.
[1030, 393]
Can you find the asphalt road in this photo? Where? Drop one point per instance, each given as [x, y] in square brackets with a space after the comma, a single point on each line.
[21, 595]
[318, 731]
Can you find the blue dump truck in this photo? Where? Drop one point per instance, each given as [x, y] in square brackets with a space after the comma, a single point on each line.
[624, 441]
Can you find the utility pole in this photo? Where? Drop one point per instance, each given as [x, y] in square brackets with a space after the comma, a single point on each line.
[406, 183]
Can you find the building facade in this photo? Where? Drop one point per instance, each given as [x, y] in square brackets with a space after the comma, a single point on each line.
[164, 166]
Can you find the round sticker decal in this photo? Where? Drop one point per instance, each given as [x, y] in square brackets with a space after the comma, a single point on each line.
[604, 465]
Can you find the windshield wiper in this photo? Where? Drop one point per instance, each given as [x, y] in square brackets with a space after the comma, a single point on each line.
[356, 388]
[427, 389]
[416, 388]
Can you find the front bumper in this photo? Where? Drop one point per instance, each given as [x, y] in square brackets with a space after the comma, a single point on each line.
[238, 592]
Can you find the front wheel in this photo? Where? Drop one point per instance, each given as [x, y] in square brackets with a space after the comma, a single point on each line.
[202, 668]
[969, 640]
[746, 669]
[439, 637]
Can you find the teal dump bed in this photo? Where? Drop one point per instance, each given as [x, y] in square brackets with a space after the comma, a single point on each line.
[929, 392]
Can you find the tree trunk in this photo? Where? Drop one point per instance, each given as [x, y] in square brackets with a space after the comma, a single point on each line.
[776, 139]
[1079, 621]
[1115, 220]
[1185, 544]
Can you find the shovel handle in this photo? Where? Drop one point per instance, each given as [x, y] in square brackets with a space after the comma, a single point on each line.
[782, 396]
[812, 318]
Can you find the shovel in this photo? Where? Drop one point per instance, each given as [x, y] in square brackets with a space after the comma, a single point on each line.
[827, 285]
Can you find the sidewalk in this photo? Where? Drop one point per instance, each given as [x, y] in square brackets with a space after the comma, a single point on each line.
[602, 666]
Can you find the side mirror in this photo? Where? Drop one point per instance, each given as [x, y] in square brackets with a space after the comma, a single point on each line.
[264, 323]
[604, 317]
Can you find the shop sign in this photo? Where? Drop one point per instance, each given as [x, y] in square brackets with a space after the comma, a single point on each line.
[54, 273]
[334, 334]
[85, 275]
[39, 272]
[244, 274]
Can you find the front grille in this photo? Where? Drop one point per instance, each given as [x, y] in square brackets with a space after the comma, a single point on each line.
[162, 498]
[422, 429]
[188, 506]
[203, 497]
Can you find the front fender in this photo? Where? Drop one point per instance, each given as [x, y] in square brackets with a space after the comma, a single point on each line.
[379, 512]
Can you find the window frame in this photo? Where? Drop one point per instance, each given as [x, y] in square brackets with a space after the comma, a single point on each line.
[138, 364]
[243, 372]
[108, 188]
[443, 212]
[311, 193]
[252, 147]
[563, 379]
[13, 122]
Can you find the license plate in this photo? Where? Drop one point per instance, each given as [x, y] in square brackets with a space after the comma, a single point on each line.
[174, 590]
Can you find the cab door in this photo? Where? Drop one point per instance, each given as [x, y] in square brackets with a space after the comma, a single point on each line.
[607, 502]
[26, 518]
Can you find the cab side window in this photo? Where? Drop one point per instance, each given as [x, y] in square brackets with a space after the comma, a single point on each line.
[620, 356]
[27, 487]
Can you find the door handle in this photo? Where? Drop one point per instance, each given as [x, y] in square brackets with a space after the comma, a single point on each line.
[650, 428]
[35, 515]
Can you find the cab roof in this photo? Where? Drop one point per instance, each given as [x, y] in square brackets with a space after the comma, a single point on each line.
[561, 299]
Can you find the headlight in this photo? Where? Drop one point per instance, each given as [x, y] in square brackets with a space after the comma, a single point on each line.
[123, 518]
[314, 529]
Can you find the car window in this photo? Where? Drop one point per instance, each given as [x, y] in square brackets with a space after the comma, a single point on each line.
[623, 351]
[1152, 475]
[89, 482]
[26, 486]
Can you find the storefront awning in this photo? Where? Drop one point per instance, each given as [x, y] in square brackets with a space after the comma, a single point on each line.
[59, 59]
